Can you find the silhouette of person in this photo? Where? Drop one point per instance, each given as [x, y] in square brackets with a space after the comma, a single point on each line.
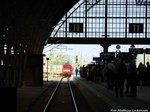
[76, 71]
[147, 73]
[120, 78]
[141, 73]
[132, 71]
[109, 72]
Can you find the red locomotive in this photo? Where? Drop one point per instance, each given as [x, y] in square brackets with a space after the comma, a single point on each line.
[66, 70]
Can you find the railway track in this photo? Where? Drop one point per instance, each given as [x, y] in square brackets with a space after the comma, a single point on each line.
[62, 98]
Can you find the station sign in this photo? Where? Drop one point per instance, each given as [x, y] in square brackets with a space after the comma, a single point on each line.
[97, 59]
[139, 50]
[136, 50]
[76, 27]
[136, 27]
[147, 50]
[106, 56]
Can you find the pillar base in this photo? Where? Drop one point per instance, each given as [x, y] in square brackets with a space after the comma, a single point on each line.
[34, 71]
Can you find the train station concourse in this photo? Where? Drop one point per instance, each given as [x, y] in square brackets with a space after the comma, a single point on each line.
[34, 78]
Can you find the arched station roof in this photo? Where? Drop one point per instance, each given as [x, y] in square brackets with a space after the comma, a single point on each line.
[105, 22]
[26, 24]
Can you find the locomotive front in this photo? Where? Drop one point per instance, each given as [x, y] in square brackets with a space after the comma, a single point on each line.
[66, 70]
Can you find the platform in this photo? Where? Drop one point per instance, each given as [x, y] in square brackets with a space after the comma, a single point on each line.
[26, 96]
[102, 94]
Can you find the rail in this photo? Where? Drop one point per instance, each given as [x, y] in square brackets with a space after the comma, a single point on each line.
[72, 95]
[55, 91]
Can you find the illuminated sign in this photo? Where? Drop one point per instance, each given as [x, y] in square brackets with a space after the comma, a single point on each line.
[139, 50]
[97, 59]
[136, 50]
[76, 27]
[147, 50]
[136, 27]
[105, 56]
[142, 2]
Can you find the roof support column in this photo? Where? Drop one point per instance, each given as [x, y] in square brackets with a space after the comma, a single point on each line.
[106, 6]
[105, 47]
[34, 70]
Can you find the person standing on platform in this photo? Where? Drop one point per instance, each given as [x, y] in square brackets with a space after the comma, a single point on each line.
[132, 71]
[147, 74]
[120, 78]
[109, 71]
[76, 71]
[141, 73]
